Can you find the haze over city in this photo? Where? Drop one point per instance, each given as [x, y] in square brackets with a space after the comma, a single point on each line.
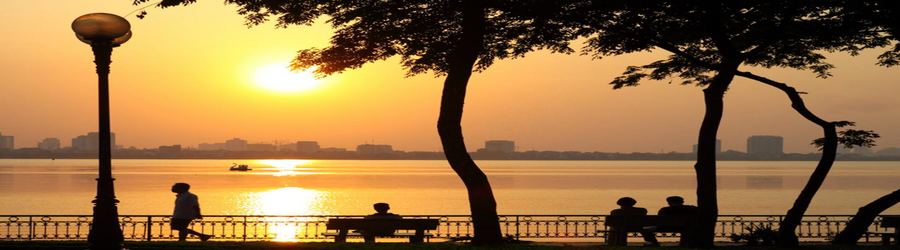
[695, 124]
[191, 82]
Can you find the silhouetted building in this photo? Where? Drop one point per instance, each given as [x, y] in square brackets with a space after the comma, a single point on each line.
[170, 150]
[91, 141]
[863, 151]
[7, 141]
[236, 144]
[372, 149]
[332, 150]
[81, 142]
[307, 146]
[718, 147]
[211, 146]
[765, 144]
[889, 151]
[261, 147]
[500, 146]
[49, 144]
[844, 150]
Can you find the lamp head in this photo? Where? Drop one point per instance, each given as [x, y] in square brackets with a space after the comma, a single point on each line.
[102, 26]
[115, 42]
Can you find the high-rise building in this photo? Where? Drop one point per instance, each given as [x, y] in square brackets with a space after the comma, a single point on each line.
[894, 151]
[91, 141]
[333, 150]
[500, 146]
[261, 147]
[372, 149]
[211, 146]
[863, 151]
[844, 150]
[765, 144]
[7, 141]
[307, 146]
[236, 144]
[718, 147]
[49, 144]
[170, 150]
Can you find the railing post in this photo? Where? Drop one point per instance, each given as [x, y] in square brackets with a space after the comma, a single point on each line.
[149, 228]
[245, 228]
[30, 228]
[517, 227]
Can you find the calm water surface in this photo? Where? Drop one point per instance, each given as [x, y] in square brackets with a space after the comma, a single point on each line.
[349, 187]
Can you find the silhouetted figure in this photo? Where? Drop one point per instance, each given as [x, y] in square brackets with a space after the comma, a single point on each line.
[676, 208]
[187, 208]
[382, 213]
[627, 208]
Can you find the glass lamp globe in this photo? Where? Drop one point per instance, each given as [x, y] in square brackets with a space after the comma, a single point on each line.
[96, 26]
[115, 42]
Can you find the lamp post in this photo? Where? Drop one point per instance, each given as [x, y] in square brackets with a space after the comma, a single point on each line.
[103, 32]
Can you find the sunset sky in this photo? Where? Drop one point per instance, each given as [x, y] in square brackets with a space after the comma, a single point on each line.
[188, 77]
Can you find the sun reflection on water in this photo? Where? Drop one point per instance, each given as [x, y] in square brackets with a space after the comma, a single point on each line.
[286, 201]
[288, 167]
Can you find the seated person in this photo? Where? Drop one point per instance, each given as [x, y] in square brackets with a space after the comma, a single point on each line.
[381, 210]
[676, 208]
[627, 208]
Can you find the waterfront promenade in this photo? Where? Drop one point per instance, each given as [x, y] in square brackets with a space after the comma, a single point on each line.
[570, 229]
[267, 245]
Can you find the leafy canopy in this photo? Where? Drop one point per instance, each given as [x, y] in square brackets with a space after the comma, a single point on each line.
[420, 32]
[704, 35]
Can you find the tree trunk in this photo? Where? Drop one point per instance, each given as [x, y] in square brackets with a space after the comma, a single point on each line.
[864, 217]
[462, 59]
[787, 230]
[703, 232]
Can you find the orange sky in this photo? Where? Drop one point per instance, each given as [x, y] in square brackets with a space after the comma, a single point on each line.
[186, 77]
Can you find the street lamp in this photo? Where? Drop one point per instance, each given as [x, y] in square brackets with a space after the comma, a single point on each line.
[103, 32]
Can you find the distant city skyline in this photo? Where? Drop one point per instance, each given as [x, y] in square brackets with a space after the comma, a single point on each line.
[755, 144]
[543, 101]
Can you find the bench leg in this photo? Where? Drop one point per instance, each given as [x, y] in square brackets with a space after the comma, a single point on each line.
[416, 239]
[369, 238]
[886, 239]
[617, 238]
[897, 236]
[342, 236]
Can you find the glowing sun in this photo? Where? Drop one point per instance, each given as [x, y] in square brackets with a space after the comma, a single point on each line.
[279, 77]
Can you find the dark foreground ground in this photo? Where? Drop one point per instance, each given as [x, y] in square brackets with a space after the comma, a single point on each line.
[61, 245]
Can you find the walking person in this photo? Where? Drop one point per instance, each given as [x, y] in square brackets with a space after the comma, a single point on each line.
[187, 208]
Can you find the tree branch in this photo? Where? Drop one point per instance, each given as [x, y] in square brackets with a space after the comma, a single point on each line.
[796, 100]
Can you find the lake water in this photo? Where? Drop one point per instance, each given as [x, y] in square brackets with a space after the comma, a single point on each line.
[349, 187]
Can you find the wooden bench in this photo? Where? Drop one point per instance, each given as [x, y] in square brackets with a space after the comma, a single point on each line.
[381, 225]
[620, 226]
[888, 221]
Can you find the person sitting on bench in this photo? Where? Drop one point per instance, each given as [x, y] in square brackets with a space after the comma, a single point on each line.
[676, 208]
[627, 208]
[381, 210]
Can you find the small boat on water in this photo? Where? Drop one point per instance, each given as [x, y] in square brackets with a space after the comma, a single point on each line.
[237, 167]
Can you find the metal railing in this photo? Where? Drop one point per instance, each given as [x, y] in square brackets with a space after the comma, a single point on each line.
[312, 227]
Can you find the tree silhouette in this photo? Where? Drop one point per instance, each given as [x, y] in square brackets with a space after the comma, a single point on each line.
[710, 40]
[449, 38]
[828, 145]
[864, 217]
[888, 17]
